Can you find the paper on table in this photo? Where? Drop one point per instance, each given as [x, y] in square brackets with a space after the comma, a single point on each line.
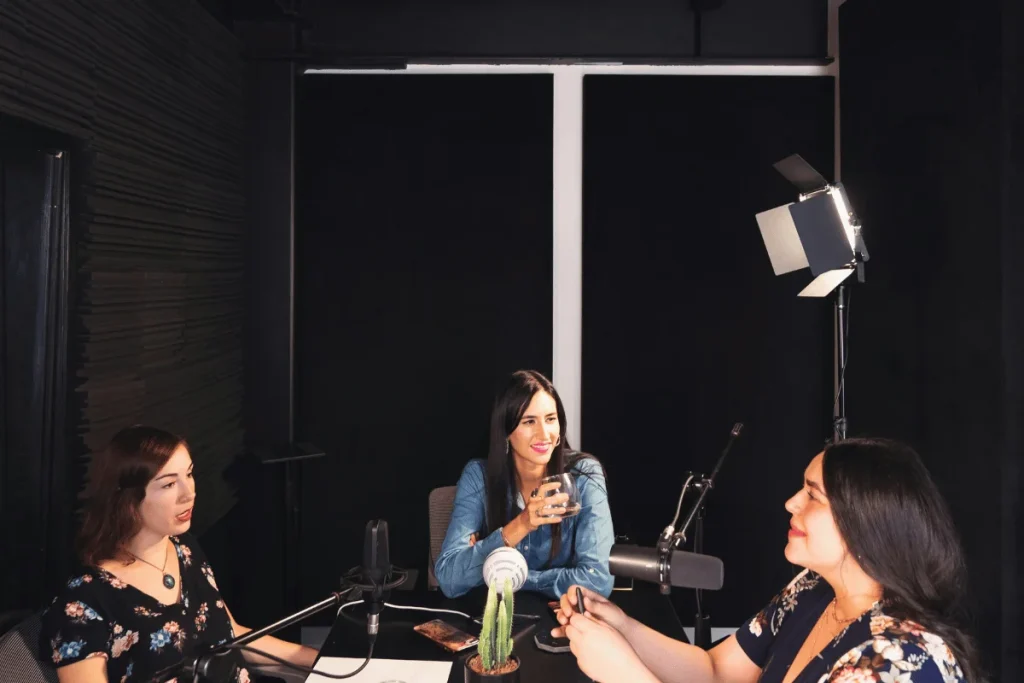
[383, 670]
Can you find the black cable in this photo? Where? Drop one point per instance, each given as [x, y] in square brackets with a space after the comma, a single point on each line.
[306, 669]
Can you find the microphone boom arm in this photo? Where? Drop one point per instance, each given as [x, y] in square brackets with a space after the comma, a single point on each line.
[205, 666]
[703, 484]
[671, 538]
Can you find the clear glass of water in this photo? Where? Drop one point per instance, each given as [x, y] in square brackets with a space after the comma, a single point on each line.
[566, 484]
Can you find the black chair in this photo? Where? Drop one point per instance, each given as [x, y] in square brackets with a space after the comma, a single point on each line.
[18, 660]
[440, 504]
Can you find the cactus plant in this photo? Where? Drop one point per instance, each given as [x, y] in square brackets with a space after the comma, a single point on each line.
[507, 601]
[496, 633]
[486, 647]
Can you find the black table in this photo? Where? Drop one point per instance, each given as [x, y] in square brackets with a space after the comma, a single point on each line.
[397, 640]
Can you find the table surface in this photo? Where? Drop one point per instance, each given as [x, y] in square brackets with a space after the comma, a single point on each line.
[397, 640]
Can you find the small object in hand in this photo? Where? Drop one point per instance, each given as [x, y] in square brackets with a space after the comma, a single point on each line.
[579, 607]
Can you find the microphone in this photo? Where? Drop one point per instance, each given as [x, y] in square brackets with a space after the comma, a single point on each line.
[376, 567]
[505, 563]
[680, 569]
[376, 552]
[376, 575]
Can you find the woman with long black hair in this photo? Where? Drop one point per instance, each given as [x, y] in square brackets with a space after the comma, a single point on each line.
[881, 598]
[502, 502]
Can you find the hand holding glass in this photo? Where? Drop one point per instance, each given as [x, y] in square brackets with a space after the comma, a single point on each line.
[567, 486]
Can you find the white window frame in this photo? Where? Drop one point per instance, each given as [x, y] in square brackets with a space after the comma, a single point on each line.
[567, 186]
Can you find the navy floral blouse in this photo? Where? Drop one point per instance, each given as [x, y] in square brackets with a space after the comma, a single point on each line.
[875, 647]
[98, 615]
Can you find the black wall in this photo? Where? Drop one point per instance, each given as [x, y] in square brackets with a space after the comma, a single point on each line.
[152, 96]
[931, 125]
[651, 29]
[686, 330]
[423, 276]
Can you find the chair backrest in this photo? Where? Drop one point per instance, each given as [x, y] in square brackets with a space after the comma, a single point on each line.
[18, 660]
[440, 504]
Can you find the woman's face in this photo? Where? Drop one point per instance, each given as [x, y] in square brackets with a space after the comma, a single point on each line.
[167, 506]
[538, 432]
[814, 540]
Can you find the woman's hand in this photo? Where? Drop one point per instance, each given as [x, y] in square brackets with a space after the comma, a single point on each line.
[544, 509]
[594, 604]
[537, 513]
[603, 653]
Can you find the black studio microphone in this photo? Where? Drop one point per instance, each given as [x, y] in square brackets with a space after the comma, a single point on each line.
[681, 569]
[375, 570]
[376, 576]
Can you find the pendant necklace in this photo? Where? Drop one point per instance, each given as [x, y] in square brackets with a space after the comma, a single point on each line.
[169, 581]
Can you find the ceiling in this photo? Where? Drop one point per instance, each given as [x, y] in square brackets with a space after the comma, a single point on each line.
[229, 11]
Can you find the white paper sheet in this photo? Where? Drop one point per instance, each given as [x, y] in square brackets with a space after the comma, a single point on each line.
[383, 670]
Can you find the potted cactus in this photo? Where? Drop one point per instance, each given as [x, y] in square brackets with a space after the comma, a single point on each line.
[494, 661]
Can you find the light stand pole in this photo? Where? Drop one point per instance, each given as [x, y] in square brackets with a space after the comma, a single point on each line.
[839, 408]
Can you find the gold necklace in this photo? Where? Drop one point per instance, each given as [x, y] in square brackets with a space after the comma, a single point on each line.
[835, 617]
[835, 613]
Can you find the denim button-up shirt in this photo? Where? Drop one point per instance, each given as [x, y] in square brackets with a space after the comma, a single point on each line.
[459, 567]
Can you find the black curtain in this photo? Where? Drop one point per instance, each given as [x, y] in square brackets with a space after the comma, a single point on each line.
[34, 291]
[423, 275]
[931, 139]
[685, 328]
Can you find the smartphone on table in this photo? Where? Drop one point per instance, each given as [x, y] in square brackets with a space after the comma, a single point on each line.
[446, 635]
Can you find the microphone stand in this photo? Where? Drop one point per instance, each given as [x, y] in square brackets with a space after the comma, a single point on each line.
[670, 538]
[211, 665]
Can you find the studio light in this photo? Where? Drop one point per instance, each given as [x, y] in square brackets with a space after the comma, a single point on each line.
[819, 231]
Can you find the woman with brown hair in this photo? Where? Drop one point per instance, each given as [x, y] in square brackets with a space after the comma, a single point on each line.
[146, 596]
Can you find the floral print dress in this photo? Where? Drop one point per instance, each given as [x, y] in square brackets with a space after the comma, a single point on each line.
[98, 615]
[875, 647]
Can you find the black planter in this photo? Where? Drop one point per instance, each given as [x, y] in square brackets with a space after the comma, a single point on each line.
[510, 677]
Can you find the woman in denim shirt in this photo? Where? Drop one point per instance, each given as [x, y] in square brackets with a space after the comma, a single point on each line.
[495, 505]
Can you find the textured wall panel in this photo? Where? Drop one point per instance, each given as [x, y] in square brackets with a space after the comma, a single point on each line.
[153, 91]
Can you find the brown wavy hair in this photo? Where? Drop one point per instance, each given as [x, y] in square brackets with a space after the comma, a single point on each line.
[117, 482]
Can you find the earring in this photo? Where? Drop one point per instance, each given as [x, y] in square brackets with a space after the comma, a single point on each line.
[508, 447]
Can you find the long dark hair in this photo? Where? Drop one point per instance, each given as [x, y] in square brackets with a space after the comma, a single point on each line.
[894, 520]
[509, 405]
[117, 482]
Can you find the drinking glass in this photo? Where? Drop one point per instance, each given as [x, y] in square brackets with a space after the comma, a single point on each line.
[566, 484]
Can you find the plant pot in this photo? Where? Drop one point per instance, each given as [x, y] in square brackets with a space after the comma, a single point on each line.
[475, 676]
